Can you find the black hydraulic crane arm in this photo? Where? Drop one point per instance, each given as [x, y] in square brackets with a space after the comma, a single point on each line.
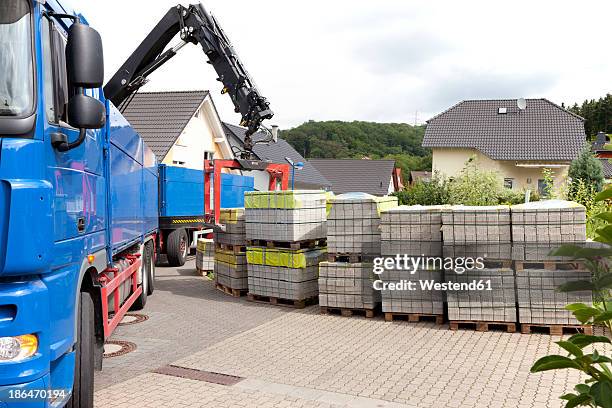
[194, 25]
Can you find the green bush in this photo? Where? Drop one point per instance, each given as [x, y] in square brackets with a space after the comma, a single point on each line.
[475, 186]
[588, 169]
[433, 192]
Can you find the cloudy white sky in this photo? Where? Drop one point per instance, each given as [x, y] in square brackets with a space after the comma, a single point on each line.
[387, 61]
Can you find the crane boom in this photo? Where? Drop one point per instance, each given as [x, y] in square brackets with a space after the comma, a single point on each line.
[194, 25]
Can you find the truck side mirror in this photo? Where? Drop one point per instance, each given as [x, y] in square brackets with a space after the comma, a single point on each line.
[85, 112]
[84, 57]
[85, 68]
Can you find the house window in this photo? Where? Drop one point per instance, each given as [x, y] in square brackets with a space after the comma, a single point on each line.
[509, 183]
[541, 186]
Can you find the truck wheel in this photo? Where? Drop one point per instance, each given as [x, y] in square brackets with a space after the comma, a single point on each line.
[177, 247]
[145, 267]
[151, 268]
[83, 387]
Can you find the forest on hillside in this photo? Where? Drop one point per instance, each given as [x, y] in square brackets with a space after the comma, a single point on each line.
[341, 140]
[597, 114]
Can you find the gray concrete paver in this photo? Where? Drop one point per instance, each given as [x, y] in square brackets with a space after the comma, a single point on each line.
[299, 358]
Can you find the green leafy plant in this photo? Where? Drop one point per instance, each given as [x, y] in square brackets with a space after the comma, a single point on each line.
[548, 190]
[475, 186]
[596, 391]
[432, 192]
[588, 170]
[585, 194]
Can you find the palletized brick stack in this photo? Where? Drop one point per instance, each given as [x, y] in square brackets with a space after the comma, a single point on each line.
[537, 229]
[344, 285]
[551, 221]
[479, 303]
[284, 273]
[285, 216]
[468, 225]
[230, 256]
[235, 230]
[231, 270]
[414, 231]
[345, 282]
[480, 232]
[286, 233]
[540, 303]
[205, 255]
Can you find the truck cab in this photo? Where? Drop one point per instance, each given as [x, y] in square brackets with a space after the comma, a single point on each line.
[77, 234]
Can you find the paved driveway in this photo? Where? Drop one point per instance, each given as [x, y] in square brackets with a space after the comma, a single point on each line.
[299, 358]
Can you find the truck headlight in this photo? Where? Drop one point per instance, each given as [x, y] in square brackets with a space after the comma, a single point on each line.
[18, 348]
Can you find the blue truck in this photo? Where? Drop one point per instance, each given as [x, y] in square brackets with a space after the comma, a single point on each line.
[181, 207]
[78, 187]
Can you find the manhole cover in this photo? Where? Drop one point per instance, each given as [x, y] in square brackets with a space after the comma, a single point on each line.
[133, 318]
[114, 348]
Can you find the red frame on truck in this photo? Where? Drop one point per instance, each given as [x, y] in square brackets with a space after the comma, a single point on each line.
[212, 168]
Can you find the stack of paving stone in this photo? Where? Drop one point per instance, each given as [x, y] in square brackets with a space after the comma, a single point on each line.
[484, 232]
[537, 229]
[539, 301]
[469, 224]
[205, 256]
[549, 221]
[344, 285]
[286, 233]
[414, 231]
[287, 216]
[230, 256]
[353, 223]
[235, 231]
[284, 273]
[231, 271]
[346, 281]
[480, 304]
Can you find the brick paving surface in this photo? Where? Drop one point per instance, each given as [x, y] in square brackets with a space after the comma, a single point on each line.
[300, 358]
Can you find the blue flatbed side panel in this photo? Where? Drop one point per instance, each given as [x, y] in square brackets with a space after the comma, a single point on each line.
[182, 191]
[132, 184]
[233, 188]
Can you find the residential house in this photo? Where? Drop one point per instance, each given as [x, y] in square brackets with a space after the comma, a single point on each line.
[179, 126]
[416, 176]
[376, 177]
[517, 143]
[308, 178]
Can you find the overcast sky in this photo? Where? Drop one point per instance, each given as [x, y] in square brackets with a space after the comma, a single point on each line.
[385, 60]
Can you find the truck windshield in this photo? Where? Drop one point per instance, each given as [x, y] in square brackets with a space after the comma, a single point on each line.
[16, 70]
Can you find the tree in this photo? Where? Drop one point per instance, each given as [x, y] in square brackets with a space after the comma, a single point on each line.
[588, 169]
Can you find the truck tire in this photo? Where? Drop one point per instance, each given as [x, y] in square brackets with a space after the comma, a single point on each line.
[177, 247]
[151, 248]
[145, 267]
[83, 387]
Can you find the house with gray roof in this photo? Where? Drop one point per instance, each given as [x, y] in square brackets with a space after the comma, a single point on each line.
[308, 178]
[517, 143]
[179, 126]
[376, 177]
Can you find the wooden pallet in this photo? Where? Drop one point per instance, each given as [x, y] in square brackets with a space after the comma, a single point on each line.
[414, 317]
[231, 291]
[347, 312]
[297, 304]
[237, 249]
[482, 326]
[549, 265]
[349, 257]
[297, 245]
[556, 329]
